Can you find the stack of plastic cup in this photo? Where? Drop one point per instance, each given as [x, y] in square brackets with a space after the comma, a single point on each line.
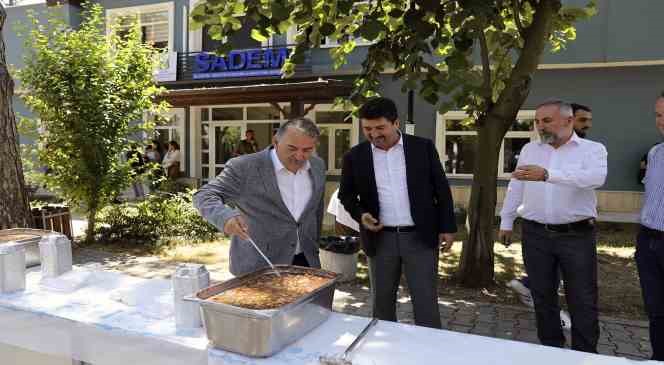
[55, 255]
[12, 268]
[187, 280]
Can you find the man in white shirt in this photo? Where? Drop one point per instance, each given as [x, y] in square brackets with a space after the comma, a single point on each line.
[274, 196]
[394, 185]
[553, 191]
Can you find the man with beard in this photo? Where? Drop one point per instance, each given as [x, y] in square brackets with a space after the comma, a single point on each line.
[583, 119]
[553, 191]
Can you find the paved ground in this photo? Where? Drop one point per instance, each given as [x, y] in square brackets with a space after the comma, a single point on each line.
[618, 337]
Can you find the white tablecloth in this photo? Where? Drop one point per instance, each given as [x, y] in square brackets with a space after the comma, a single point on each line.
[89, 324]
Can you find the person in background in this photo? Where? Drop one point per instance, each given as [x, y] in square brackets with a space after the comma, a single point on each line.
[171, 162]
[156, 145]
[583, 119]
[344, 224]
[650, 240]
[135, 159]
[151, 154]
[248, 144]
[553, 191]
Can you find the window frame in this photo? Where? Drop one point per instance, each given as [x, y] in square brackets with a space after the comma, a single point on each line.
[353, 127]
[442, 133]
[113, 13]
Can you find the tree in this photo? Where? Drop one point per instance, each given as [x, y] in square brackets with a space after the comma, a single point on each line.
[431, 46]
[90, 93]
[15, 210]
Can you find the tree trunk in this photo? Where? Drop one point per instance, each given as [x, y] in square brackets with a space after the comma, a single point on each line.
[476, 267]
[90, 230]
[15, 208]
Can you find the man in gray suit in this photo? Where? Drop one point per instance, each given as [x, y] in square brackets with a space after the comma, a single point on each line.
[274, 196]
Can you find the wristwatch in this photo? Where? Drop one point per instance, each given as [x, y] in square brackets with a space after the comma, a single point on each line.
[546, 175]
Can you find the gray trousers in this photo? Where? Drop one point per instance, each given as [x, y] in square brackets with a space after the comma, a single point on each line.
[576, 255]
[420, 265]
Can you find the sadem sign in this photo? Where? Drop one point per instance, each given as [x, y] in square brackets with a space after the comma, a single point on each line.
[251, 62]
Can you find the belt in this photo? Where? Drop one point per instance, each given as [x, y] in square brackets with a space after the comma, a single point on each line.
[582, 225]
[653, 232]
[399, 229]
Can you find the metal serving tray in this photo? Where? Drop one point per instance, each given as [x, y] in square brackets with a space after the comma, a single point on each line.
[261, 333]
[30, 242]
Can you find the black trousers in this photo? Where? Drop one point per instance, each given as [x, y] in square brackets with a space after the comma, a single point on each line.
[650, 263]
[419, 261]
[575, 253]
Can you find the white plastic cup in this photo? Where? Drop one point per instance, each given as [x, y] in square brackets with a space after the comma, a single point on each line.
[187, 280]
[12, 268]
[55, 255]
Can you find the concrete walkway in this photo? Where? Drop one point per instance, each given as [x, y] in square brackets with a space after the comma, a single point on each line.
[618, 337]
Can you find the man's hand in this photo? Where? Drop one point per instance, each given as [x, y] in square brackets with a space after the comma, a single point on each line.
[446, 240]
[370, 223]
[529, 173]
[236, 227]
[505, 237]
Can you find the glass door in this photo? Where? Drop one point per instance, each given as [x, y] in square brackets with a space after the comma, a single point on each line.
[221, 140]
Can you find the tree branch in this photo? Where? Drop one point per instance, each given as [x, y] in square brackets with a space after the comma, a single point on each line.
[486, 69]
[518, 86]
[516, 8]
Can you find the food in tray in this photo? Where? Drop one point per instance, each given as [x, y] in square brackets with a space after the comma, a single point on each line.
[270, 291]
[15, 237]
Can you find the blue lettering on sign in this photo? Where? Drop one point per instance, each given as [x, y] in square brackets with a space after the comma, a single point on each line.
[240, 63]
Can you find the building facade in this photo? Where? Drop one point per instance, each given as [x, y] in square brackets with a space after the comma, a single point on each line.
[615, 66]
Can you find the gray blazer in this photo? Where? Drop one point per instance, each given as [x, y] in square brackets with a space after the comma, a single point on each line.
[248, 186]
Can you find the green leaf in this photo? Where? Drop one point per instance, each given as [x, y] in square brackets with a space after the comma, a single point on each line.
[258, 35]
[279, 12]
[371, 29]
[327, 29]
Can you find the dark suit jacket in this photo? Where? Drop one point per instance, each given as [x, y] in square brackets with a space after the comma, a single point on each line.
[431, 203]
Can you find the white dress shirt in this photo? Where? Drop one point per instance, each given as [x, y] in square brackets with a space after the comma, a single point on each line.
[170, 158]
[575, 169]
[390, 172]
[295, 188]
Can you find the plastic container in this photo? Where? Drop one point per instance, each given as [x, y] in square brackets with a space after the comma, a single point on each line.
[55, 255]
[188, 279]
[12, 267]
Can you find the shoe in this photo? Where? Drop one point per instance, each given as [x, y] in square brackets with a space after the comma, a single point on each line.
[524, 293]
[565, 320]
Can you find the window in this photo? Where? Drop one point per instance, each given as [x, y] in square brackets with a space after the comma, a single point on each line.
[171, 129]
[338, 135]
[155, 21]
[456, 140]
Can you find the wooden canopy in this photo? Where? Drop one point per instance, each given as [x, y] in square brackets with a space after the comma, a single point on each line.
[312, 92]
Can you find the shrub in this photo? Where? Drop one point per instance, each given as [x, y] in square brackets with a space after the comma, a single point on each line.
[157, 218]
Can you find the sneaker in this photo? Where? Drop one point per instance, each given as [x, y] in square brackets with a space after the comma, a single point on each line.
[524, 293]
[565, 320]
